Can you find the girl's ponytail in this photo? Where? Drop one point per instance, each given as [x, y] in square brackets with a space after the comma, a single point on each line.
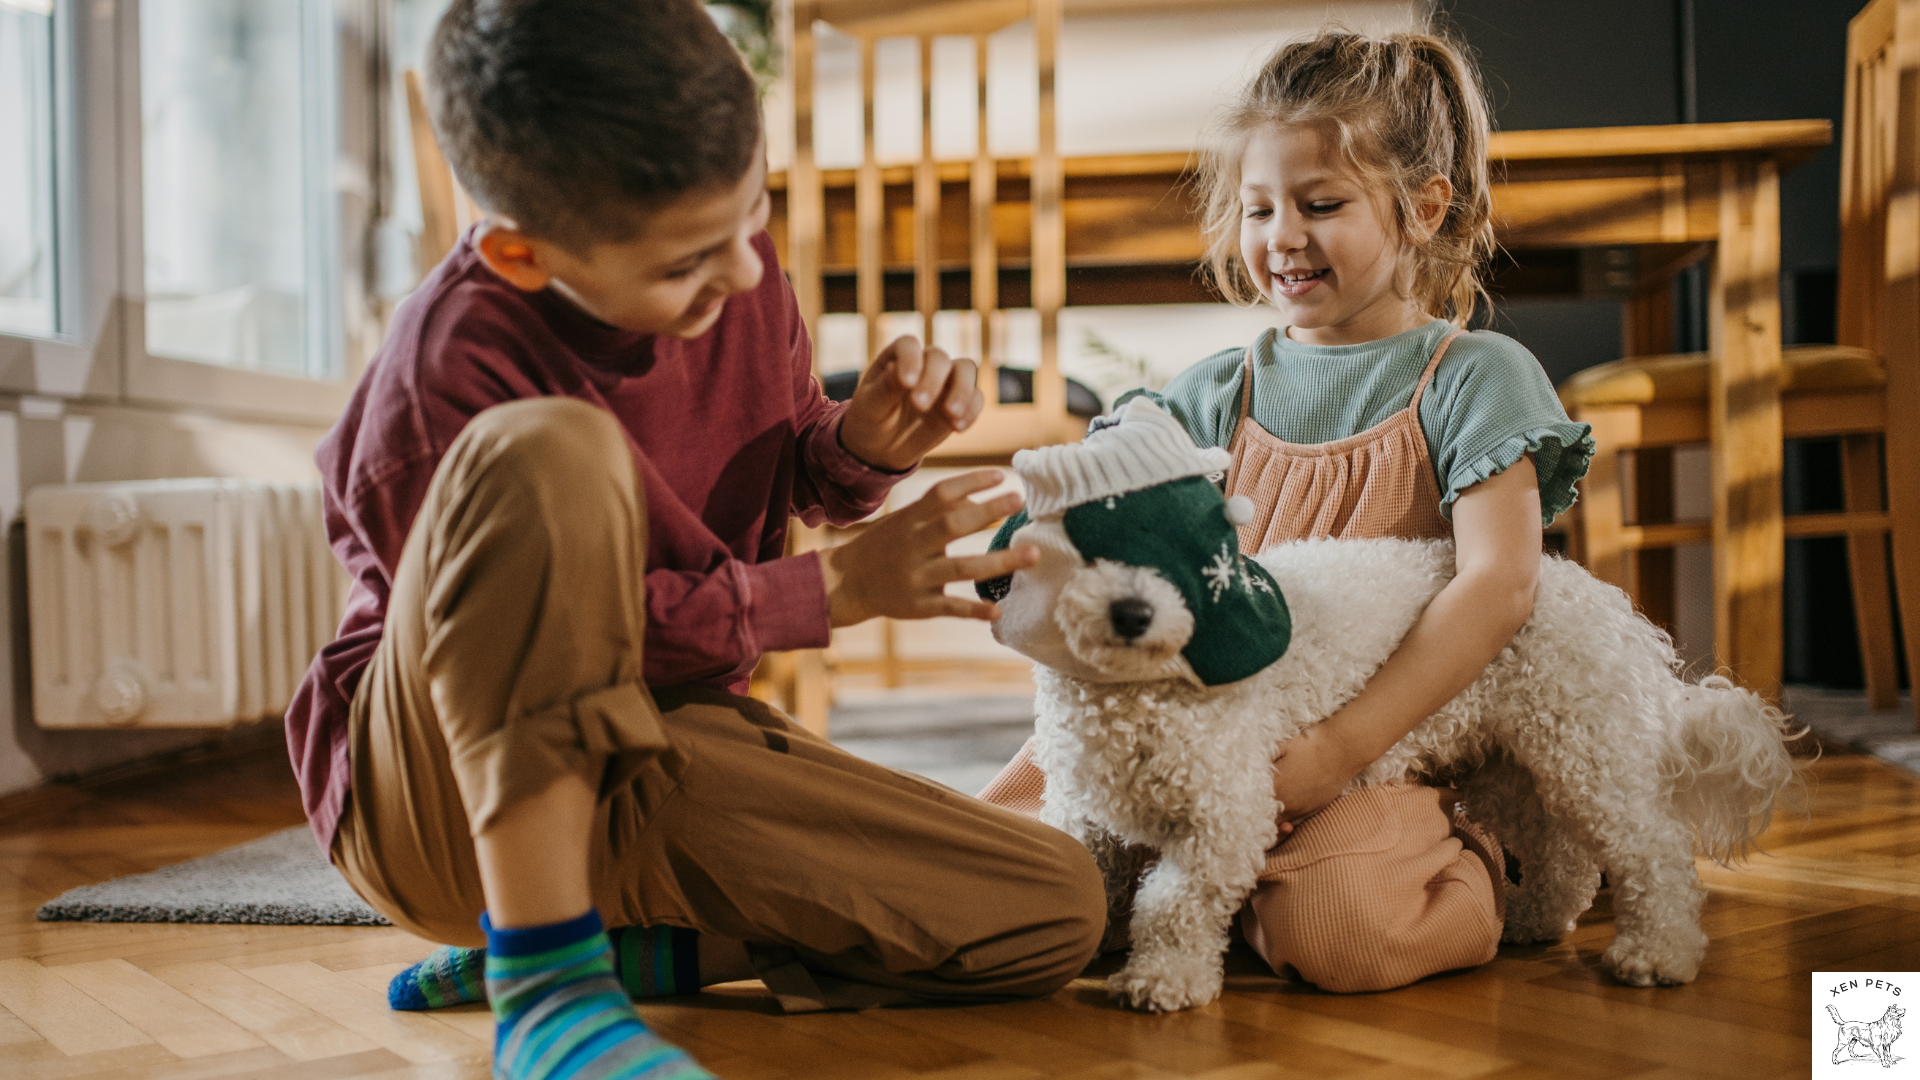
[1401, 109]
[1464, 243]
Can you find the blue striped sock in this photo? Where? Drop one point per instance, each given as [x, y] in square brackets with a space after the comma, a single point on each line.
[450, 975]
[650, 961]
[559, 1012]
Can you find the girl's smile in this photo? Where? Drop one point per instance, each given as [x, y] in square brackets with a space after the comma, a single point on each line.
[1293, 282]
[1320, 244]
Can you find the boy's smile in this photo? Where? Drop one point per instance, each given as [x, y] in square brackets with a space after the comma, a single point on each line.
[1319, 243]
[671, 277]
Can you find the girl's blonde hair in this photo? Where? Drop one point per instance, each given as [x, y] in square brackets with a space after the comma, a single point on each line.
[1400, 109]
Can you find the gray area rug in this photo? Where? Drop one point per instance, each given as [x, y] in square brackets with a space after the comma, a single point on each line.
[1843, 717]
[284, 880]
[958, 741]
[278, 880]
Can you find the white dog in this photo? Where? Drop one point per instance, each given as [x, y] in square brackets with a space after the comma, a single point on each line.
[1579, 747]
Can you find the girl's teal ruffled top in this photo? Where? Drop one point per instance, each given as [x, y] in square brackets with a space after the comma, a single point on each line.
[1489, 403]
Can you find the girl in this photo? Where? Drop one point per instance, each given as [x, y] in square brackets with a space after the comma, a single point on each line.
[1351, 183]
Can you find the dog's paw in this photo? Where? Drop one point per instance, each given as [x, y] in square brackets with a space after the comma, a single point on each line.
[1639, 963]
[1530, 923]
[1164, 992]
[1533, 935]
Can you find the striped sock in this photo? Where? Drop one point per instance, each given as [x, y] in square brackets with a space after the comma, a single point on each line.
[656, 961]
[450, 975]
[650, 961]
[560, 1013]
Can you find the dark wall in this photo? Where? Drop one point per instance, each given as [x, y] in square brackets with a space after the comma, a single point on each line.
[1783, 60]
[1561, 64]
[1573, 63]
[1577, 63]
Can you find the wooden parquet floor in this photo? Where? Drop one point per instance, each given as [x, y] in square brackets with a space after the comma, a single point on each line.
[1837, 891]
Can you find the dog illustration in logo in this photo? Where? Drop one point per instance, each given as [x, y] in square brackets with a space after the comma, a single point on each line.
[1859, 1039]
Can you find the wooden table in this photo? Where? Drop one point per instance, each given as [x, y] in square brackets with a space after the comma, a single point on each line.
[1679, 194]
[1674, 195]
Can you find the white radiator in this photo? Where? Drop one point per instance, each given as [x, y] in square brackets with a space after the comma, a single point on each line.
[175, 603]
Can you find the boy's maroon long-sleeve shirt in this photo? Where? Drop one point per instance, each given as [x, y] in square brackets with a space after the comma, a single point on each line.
[730, 435]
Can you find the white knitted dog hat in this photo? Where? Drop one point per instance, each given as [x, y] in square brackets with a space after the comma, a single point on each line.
[1135, 447]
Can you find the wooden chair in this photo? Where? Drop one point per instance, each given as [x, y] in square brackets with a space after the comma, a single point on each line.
[1003, 427]
[1865, 391]
[1879, 305]
[1644, 405]
[445, 209]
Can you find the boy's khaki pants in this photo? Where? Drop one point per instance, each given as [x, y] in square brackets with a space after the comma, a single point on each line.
[511, 657]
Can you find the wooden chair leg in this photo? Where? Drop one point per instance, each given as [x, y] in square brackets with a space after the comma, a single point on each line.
[773, 680]
[811, 697]
[1575, 534]
[1600, 540]
[1867, 565]
[1904, 510]
[889, 654]
[813, 691]
[1653, 568]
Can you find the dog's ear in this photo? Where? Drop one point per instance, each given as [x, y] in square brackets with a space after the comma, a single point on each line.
[995, 590]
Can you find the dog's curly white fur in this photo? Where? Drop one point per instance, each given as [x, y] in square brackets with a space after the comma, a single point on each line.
[1579, 747]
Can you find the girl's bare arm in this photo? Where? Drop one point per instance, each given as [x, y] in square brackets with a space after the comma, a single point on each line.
[1496, 530]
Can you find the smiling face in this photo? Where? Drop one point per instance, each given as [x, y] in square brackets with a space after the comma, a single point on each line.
[1321, 245]
[671, 277]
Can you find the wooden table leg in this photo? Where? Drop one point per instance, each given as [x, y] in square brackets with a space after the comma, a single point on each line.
[1749, 540]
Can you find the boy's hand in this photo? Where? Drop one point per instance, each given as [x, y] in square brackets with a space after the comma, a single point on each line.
[899, 565]
[908, 401]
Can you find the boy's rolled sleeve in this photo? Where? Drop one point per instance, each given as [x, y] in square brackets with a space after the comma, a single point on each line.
[712, 626]
[831, 484]
[787, 604]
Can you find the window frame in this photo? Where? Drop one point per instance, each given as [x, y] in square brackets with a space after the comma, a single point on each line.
[66, 362]
[98, 352]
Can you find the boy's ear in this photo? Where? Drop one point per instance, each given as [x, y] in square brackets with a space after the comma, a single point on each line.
[512, 254]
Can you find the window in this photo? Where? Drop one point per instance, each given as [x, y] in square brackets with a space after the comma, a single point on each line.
[27, 268]
[237, 173]
[413, 22]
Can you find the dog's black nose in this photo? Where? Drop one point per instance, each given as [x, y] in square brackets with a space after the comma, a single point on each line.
[1130, 617]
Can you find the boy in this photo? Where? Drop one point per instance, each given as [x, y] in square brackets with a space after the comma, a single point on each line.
[562, 490]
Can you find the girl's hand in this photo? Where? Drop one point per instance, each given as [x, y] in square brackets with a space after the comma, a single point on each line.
[1312, 770]
[908, 401]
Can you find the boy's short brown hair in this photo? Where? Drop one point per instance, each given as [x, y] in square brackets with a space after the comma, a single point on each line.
[574, 117]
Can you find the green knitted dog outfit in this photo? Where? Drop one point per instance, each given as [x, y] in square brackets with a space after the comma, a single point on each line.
[1115, 494]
